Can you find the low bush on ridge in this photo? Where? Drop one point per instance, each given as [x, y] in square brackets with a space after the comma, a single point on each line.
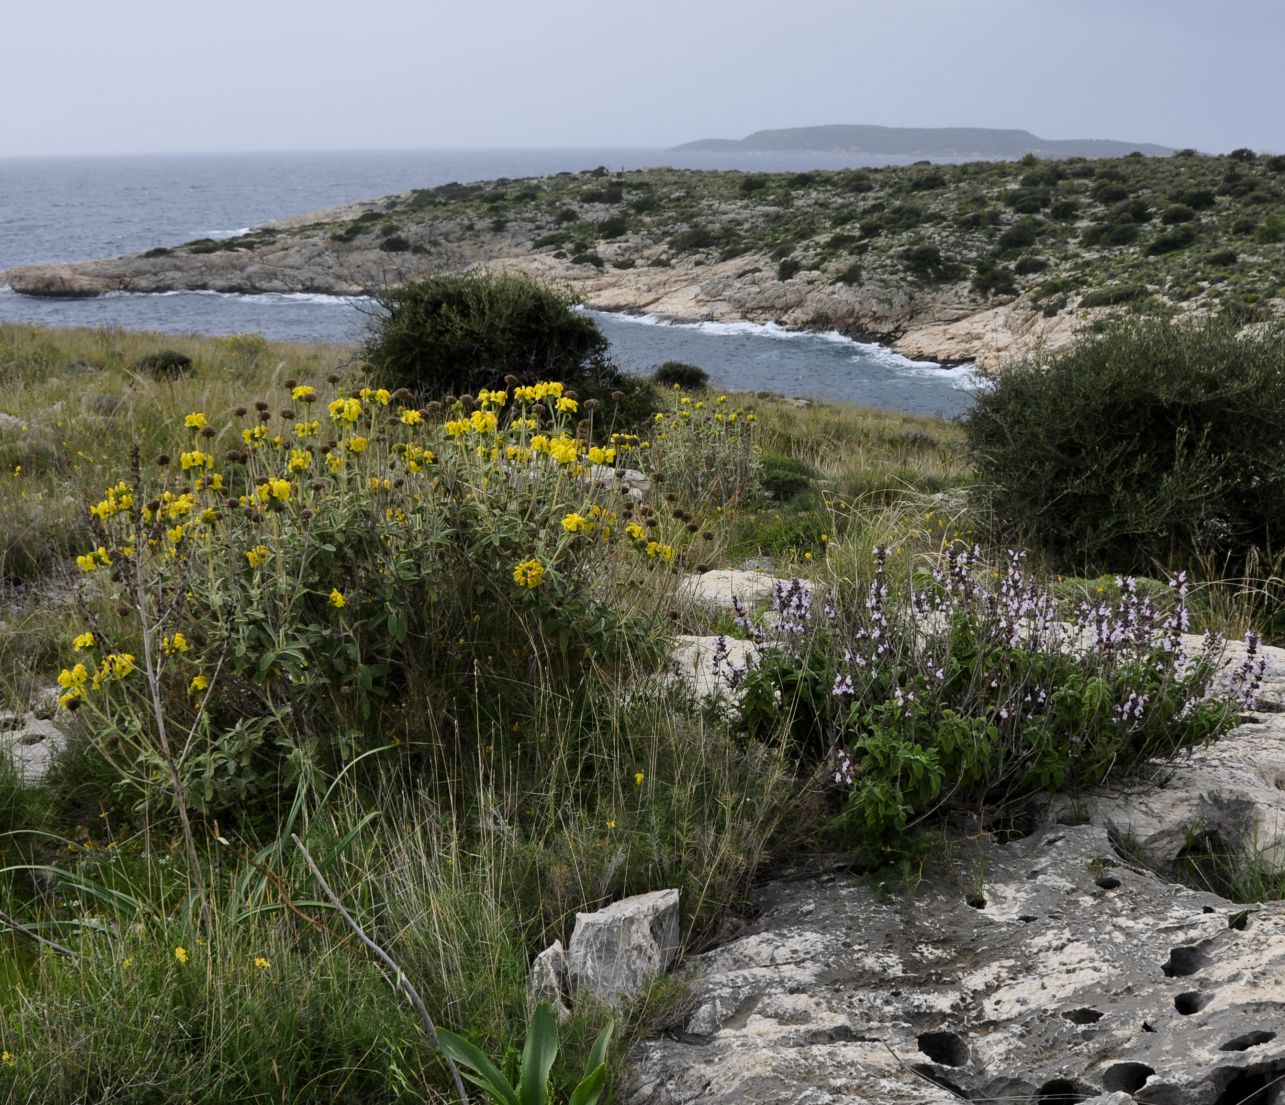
[1149, 443]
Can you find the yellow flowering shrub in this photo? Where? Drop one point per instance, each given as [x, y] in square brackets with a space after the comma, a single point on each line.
[311, 591]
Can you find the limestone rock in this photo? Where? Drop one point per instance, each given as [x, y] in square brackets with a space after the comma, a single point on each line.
[32, 743]
[1038, 971]
[715, 589]
[547, 979]
[696, 662]
[615, 952]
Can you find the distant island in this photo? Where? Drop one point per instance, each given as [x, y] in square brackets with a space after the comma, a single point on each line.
[982, 143]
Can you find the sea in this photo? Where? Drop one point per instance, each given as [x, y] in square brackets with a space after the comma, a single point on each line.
[73, 208]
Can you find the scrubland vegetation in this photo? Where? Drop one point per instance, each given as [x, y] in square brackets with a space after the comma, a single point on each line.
[401, 609]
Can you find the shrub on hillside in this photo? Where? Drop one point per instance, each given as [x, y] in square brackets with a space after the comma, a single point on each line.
[457, 335]
[678, 374]
[1149, 442]
[168, 364]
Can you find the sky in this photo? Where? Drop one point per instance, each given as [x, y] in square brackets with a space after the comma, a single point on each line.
[158, 76]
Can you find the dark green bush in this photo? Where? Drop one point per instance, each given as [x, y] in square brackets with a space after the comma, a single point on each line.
[395, 243]
[992, 278]
[688, 377]
[168, 364]
[1198, 199]
[927, 263]
[788, 267]
[782, 478]
[1150, 442]
[451, 335]
[1021, 234]
[1222, 257]
[1025, 266]
[1178, 238]
[851, 275]
[1112, 295]
[1177, 213]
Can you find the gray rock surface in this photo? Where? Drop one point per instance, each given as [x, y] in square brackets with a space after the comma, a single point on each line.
[31, 742]
[615, 952]
[547, 979]
[715, 589]
[696, 662]
[1045, 970]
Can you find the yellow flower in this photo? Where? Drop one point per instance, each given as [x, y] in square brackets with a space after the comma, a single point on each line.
[180, 953]
[380, 395]
[8, 1058]
[261, 963]
[199, 683]
[483, 422]
[71, 679]
[177, 643]
[635, 531]
[257, 555]
[307, 429]
[127, 963]
[638, 778]
[528, 574]
[195, 421]
[345, 410]
[334, 462]
[274, 488]
[411, 418]
[562, 449]
[83, 641]
[567, 406]
[357, 444]
[575, 523]
[195, 459]
[662, 552]
[337, 599]
[611, 824]
[300, 460]
[302, 391]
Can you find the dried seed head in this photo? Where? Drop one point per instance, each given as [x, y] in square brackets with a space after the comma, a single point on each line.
[290, 384]
[287, 414]
[163, 459]
[207, 431]
[240, 412]
[333, 378]
[260, 405]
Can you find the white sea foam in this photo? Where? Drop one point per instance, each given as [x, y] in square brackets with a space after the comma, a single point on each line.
[964, 376]
[223, 235]
[256, 297]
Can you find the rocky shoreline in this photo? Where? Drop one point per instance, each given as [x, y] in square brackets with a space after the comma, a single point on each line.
[300, 255]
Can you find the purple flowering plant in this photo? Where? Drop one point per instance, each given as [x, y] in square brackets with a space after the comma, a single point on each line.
[973, 688]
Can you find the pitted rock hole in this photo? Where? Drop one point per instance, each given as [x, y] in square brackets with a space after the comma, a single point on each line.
[976, 901]
[1083, 1016]
[1248, 1040]
[1063, 1091]
[1253, 1087]
[1128, 1077]
[1191, 1002]
[1185, 961]
[946, 1048]
[1107, 882]
[946, 1084]
[1027, 918]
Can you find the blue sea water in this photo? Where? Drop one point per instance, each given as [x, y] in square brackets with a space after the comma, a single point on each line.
[65, 209]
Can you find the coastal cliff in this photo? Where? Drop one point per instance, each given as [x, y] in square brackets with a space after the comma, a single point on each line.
[982, 262]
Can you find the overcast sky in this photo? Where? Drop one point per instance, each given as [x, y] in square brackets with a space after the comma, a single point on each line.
[145, 76]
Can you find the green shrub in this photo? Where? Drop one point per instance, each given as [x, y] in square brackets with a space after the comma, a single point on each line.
[1222, 257]
[852, 275]
[1113, 295]
[1021, 234]
[992, 278]
[1149, 442]
[455, 335]
[168, 364]
[782, 478]
[927, 263]
[1178, 238]
[677, 374]
[788, 267]
[1177, 213]
[1025, 266]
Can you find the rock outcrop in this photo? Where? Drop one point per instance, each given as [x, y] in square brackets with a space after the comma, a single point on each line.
[1045, 970]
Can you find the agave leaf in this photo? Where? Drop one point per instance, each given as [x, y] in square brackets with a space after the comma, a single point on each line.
[590, 1088]
[537, 1056]
[472, 1057]
[598, 1056]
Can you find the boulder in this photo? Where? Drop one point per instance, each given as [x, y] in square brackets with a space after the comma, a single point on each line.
[615, 952]
[1042, 970]
[547, 979]
[709, 667]
[716, 589]
[32, 743]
